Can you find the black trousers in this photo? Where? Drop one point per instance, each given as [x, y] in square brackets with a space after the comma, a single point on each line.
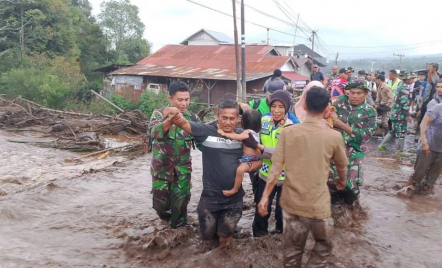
[260, 224]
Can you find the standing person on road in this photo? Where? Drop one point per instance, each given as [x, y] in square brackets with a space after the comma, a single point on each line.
[337, 86]
[316, 75]
[400, 115]
[271, 126]
[430, 88]
[171, 163]
[394, 81]
[428, 165]
[437, 97]
[274, 83]
[218, 214]
[305, 196]
[333, 76]
[373, 86]
[363, 75]
[356, 120]
[384, 102]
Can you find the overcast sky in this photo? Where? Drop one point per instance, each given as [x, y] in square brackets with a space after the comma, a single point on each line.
[355, 29]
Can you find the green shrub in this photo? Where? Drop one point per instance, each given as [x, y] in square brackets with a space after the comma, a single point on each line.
[149, 101]
[121, 102]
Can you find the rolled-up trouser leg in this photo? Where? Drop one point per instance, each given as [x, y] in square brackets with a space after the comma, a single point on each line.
[179, 199]
[294, 239]
[322, 231]
[161, 197]
[423, 163]
[435, 169]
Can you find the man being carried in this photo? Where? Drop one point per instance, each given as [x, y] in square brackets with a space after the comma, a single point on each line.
[399, 115]
[384, 102]
[305, 197]
[218, 215]
[171, 164]
[356, 120]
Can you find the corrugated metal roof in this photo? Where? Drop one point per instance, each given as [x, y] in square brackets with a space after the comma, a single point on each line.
[294, 76]
[221, 37]
[206, 62]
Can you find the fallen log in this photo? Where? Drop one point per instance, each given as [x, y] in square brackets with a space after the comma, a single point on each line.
[70, 160]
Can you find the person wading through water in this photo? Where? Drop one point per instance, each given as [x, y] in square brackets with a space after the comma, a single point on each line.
[305, 196]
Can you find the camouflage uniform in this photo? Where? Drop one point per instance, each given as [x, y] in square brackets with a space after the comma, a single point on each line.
[400, 111]
[171, 169]
[362, 120]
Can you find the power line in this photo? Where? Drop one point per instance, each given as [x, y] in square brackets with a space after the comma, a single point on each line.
[265, 27]
[271, 16]
[406, 49]
[288, 16]
[387, 46]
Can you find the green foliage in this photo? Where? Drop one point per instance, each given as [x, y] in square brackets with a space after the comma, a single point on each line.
[149, 101]
[121, 102]
[124, 30]
[44, 80]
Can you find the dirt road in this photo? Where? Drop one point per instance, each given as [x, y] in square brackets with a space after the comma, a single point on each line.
[98, 214]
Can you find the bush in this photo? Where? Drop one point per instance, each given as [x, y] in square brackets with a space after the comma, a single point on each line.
[49, 81]
[149, 101]
[121, 102]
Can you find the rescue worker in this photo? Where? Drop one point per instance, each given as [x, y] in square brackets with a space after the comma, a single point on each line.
[394, 81]
[333, 75]
[399, 115]
[271, 125]
[363, 75]
[356, 120]
[171, 163]
[384, 102]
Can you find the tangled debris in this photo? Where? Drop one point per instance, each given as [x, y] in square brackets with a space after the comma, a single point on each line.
[70, 130]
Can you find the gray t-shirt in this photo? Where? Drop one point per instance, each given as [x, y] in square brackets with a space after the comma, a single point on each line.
[434, 131]
[220, 161]
[437, 99]
[429, 86]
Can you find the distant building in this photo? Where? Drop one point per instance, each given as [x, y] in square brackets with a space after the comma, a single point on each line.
[208, 38]
[210, 70]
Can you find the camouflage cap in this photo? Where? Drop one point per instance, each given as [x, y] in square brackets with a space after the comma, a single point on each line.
[408, 75]
[358, 83]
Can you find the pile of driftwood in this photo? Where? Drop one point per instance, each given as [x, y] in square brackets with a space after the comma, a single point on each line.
[70, 130]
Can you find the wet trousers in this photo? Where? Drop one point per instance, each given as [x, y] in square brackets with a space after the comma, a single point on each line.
[427, 168]
[170, 199]
[296, 230]
[385, 116]
[260, 226]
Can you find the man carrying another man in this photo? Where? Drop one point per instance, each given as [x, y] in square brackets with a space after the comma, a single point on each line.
[305, 197]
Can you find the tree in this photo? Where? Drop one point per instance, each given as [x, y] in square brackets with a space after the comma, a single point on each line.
[124, 31]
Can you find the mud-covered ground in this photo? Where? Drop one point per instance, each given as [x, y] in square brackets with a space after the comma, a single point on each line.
[98, 214]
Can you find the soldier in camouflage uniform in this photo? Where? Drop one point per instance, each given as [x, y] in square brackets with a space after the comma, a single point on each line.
[399, 115]
[171, 164]
[356, 120]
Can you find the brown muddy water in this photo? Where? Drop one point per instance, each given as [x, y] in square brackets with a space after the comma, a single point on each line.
[98, 214]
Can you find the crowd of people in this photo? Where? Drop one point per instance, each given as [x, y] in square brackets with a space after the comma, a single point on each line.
[305, 157]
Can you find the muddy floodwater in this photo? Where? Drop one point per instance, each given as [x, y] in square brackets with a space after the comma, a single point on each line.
[98, 214]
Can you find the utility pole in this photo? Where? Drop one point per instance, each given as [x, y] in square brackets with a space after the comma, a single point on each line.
[235, 34]
[313, 48]
[268, 32]
[372, 63]
[243, 53]
[296, 30]
[400, 59]
[337, 56]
